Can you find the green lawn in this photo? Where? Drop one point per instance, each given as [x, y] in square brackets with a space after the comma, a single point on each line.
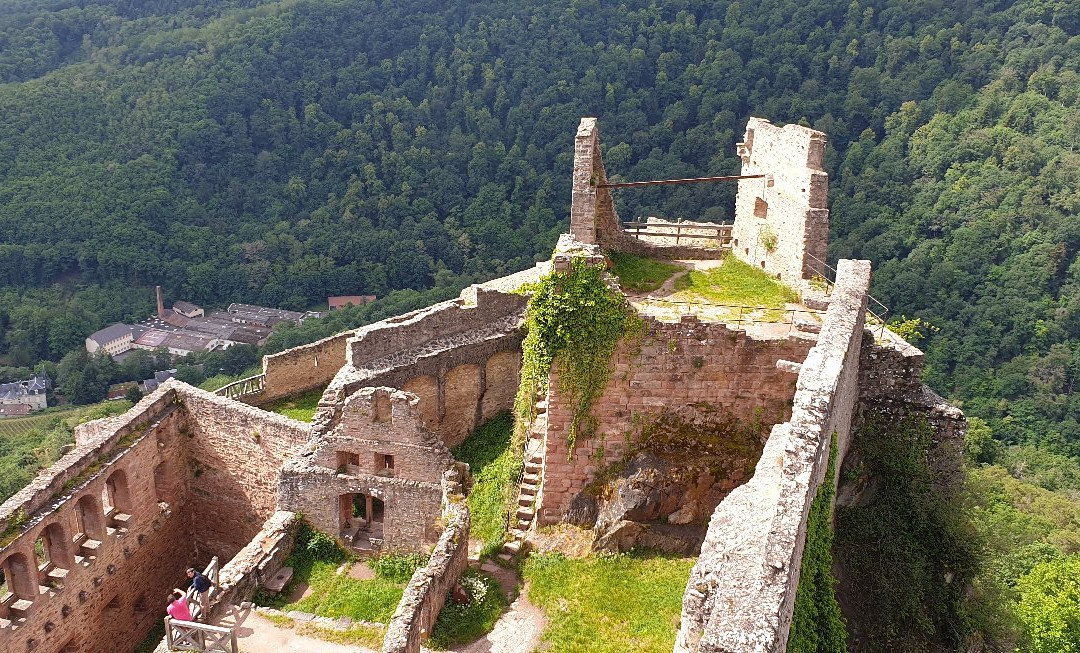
[494, 465]
[609, 603]
[734, 283]
[315, 560]
[300, 408]
[639, 274]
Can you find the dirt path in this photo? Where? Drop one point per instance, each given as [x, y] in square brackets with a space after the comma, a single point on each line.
[259, 635]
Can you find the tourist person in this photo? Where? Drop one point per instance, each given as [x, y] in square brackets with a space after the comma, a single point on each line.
[201, 584]
[178, 607]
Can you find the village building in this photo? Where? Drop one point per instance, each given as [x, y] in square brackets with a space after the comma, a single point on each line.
[32, 392]
[112, 340]
[14, 410]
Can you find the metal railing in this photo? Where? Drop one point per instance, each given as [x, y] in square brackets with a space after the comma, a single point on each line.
[878, 311]
[720, 232]
[250, 386]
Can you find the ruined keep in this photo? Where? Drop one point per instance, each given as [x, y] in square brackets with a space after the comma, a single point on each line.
[711, 435]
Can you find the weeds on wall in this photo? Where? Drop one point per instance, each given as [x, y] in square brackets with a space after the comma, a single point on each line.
[817, 626]
[909, 552]
[574, 322]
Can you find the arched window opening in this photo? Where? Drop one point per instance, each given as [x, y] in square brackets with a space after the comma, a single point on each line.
[20, 578]
[116, 503]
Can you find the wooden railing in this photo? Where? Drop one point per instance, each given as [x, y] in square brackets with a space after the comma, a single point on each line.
[191, 636]
[252, 385]
[679, 230]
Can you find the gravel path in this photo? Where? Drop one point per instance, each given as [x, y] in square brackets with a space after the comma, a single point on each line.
[518, 630]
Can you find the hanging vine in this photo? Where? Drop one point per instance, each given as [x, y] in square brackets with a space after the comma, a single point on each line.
[574, 322]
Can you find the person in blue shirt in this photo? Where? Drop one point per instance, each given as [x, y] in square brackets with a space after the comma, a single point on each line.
[201, 584]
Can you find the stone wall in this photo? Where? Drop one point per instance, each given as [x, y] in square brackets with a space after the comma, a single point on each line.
[108, 570]
[170, 483]
[351, 459]
[593, 219]
[676, 364]
[741, 592]
[459, 357]
[300, 369]
[426, 592]
[782, 217]
[890, 384]
[233, 455]
[257, 562]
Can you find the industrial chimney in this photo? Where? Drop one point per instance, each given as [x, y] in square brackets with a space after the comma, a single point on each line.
[160, 303]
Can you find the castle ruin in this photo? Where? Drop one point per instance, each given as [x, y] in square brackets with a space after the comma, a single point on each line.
[88, 549]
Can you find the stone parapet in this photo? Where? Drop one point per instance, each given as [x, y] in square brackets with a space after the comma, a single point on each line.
[257, 562]
[426, 592]
[741, 592]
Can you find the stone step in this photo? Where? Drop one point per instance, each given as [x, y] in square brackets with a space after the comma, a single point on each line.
[533, 467]
[517, 533]
[20, 608]
[528, 489]
[505, 557]
[512, 547]
[526, 499]
[525, 513]
[532, 479]
[89, 548]
[57, 576]
[541, 407]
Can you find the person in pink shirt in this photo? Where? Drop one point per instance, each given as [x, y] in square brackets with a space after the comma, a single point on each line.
[178, 608]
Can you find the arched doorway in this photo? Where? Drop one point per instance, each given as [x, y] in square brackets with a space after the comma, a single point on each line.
[361, 518]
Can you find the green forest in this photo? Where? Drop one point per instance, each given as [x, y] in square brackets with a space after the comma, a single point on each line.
[279, 152]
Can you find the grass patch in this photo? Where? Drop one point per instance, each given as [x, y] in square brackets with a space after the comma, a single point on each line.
[609, 603]
[315, 560]
[639, 274]
[494, 464]
[301, 408]
[734, 282]
[460, 624]
[280, 620]
[357, 635]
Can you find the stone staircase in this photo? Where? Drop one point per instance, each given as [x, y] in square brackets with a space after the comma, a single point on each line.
[530, 485]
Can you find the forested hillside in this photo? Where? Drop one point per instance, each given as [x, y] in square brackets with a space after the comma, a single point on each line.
[280, 152]
[283, 152]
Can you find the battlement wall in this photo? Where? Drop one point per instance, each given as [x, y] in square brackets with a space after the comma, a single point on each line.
[114, 537]
[300, 369]
[461, 358]
[783, 217]
[741, 592]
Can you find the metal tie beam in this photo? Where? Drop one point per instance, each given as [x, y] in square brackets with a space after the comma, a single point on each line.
[692, 180]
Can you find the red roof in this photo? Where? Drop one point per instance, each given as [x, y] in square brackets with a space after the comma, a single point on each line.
[342, 301]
